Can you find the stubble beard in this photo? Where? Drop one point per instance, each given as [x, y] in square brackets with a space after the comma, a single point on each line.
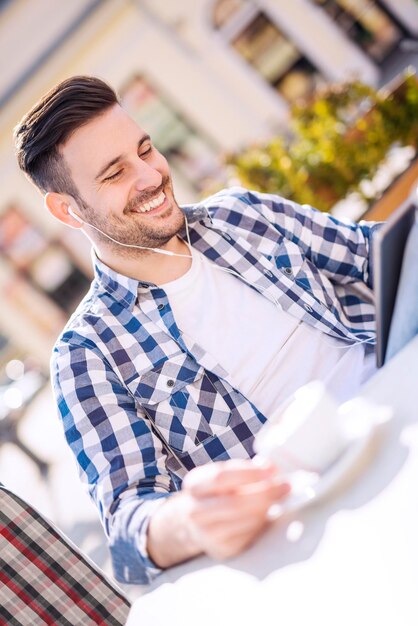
[131, 230]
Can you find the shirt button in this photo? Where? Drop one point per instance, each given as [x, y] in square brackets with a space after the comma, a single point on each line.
[268, 273]
[144, 286]
[160, 307]
[288, 271]
[170, 383]
[227, 237]
[308, 308]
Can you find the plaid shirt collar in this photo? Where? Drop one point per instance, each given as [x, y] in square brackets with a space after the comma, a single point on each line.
[125, 289]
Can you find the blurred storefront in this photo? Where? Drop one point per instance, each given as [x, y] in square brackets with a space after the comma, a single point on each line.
[204, 77]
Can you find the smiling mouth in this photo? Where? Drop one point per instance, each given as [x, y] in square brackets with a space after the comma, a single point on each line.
[151, 205]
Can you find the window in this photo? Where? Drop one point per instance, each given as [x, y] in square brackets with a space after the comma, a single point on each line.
[58, 277]
[191, 156]
[366, 23]
[45, 264]
[224, 10]
[276, 59]
[260, 42]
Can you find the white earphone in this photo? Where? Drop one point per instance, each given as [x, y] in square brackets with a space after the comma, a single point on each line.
[74, 215]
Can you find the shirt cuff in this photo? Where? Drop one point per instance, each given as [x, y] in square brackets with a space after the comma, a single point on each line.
[150, 507]
[128, 544]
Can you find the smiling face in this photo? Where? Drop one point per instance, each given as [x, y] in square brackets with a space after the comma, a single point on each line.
[123, 182]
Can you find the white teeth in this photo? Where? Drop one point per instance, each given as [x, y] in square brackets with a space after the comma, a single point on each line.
[147, 206]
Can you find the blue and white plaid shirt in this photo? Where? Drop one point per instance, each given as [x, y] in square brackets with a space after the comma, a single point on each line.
[140, 409]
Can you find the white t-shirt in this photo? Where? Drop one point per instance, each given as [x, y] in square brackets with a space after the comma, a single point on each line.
[267, 353]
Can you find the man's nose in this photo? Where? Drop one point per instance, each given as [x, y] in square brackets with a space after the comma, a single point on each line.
[146, 176]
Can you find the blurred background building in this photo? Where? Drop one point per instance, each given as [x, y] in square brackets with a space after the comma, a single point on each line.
[204, 77]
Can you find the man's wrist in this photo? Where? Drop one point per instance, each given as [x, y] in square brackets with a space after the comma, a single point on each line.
[169, 537]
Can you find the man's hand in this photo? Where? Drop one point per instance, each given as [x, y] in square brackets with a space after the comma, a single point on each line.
[221, 510]
[229, 502]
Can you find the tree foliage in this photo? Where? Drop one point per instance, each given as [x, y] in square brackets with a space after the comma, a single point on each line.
[338, 139]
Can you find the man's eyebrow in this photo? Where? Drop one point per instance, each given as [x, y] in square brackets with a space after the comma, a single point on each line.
[120, 157]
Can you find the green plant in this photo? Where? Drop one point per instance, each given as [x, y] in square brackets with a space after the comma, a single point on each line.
[338, 139]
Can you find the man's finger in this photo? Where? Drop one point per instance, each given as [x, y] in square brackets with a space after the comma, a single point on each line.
[231, 508]
[225, 476]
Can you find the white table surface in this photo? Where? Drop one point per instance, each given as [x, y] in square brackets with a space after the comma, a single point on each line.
[351, 558]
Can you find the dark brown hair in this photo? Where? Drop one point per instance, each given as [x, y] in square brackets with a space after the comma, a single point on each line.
[51, 121]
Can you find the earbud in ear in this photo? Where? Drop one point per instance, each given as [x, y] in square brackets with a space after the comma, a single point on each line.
[74, 215]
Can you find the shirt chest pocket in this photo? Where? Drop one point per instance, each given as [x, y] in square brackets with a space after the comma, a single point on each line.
[185, 402]
[297, 268]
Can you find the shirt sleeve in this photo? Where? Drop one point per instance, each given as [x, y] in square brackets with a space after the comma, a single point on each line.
[341, 248]
[121, 462]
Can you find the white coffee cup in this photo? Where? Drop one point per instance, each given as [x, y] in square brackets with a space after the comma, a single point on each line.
[309, 435]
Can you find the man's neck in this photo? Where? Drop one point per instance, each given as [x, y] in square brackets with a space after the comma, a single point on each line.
[150, 267]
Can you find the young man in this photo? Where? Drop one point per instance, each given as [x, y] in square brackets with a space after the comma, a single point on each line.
[200, 323]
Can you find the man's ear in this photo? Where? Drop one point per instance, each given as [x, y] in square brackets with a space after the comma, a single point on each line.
[58, 204]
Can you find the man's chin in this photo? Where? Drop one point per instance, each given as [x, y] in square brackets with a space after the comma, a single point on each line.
[155, 232]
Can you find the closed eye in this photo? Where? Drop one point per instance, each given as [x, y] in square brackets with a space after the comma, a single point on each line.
[114, 176]
[117, 174]
[146, 152]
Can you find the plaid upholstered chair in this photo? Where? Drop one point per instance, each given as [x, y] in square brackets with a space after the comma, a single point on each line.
[44, 579]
